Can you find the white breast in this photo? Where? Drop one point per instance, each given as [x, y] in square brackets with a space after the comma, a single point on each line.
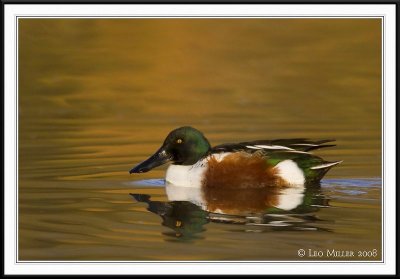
[185, 176]
[190, 176]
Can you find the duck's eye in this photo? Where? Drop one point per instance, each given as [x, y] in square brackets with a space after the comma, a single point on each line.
[179, 141]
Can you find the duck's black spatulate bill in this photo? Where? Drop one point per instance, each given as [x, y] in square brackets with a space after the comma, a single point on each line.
[157, 159]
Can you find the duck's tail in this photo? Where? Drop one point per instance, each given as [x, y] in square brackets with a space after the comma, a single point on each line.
[319, 171]
[326, 165]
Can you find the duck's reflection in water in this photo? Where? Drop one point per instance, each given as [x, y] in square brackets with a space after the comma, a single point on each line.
[257, 210]
[185, 218]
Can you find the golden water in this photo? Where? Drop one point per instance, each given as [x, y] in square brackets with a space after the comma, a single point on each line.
[97, 96]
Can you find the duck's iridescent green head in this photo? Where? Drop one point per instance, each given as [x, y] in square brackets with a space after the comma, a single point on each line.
[183, 146]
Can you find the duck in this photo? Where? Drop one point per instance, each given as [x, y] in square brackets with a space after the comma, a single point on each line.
[251, 165]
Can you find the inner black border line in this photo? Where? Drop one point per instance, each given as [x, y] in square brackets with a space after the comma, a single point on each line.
[16, 132]
[201, 16]
[383, 87]
[383, 209]
[201, 2]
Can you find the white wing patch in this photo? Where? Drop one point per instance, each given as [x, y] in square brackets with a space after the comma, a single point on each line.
[290, 172]
[323, 166]
[273, 147]
[305, 144]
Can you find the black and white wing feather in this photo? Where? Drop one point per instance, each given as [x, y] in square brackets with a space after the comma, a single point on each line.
[299, 144]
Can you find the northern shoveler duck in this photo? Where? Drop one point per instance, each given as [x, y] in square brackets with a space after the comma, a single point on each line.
[255, 164]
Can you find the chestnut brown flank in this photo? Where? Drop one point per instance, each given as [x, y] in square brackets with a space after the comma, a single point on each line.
[240, 182]
[240, 171]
